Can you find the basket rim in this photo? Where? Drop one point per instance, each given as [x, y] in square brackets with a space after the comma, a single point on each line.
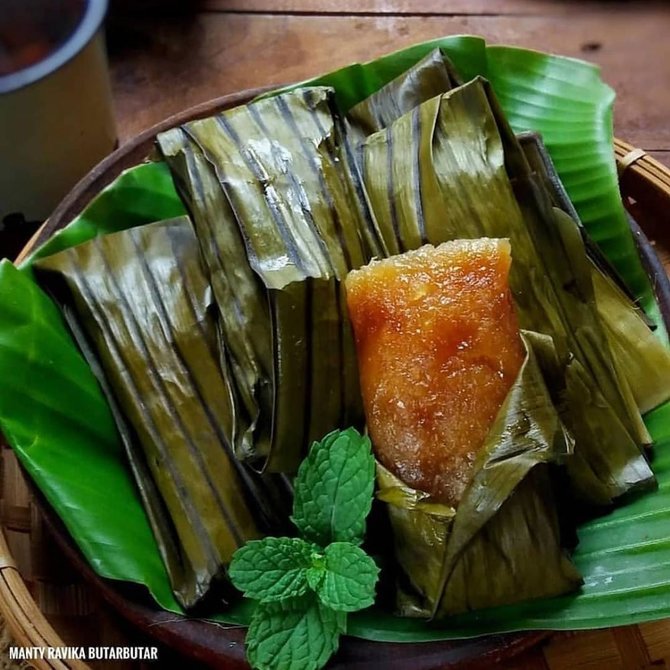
[26, 623]
[639, 172]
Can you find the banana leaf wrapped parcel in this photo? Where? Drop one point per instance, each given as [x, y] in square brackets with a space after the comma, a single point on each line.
[642, 362]
[639, 357]
[463, 428]
[139, 306]
[452, 169]
[281, 218]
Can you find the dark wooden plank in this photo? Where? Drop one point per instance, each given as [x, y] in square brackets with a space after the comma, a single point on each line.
[586, 650]
[632, 647]
[162, 65]
[657, 640]
[530, 660]
[413, 7]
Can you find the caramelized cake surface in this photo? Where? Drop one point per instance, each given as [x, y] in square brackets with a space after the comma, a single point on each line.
[438, 349]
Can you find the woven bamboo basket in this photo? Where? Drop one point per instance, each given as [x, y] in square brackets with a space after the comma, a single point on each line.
[44, 602]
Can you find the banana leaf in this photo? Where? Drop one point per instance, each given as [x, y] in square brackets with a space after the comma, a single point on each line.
[641, 360]
[563, 99]
[240, 297]
[644, 360]
[435, 75]
[562, 246]
[502, 543]
[277, 161]
[59, 424]
[623, 556]
[432, 75]
[429, 180]
[145, 194]
[269, 186]
[540, 163]
[154, 350]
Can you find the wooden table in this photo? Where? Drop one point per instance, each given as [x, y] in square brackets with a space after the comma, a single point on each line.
[163, 63]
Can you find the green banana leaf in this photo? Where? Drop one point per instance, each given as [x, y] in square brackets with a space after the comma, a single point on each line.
[154, 349]
[429, 181]
[504, 534]
[266, 192]
[623, 556]
[144, 194]
[56, 418]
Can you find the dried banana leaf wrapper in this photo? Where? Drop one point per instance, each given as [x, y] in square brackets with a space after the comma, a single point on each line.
[139, 304]
[579, 299]
[641, 361]
[540, 163]
[240, 297]
[273, 186]
[282, 163]
[638, 350]
[644, 361]
[502, 542]
[441, 172]
[572, 272]
[431, 76]
[316, 375]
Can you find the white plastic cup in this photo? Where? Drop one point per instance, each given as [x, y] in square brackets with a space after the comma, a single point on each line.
[56, 118]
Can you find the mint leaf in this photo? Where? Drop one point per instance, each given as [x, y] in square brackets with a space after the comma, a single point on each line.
[305, 591]
[315, 576]
[295, 634]
[273, 568]
[333, 489]
[350, 578]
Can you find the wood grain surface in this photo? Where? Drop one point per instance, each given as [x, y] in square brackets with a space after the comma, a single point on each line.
[418, 8]
[161, 64]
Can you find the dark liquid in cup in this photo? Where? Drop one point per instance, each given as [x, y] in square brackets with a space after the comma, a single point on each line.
[30, 30]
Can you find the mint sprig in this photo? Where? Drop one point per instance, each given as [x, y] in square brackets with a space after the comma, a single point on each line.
[333, 489]
[306, 586]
